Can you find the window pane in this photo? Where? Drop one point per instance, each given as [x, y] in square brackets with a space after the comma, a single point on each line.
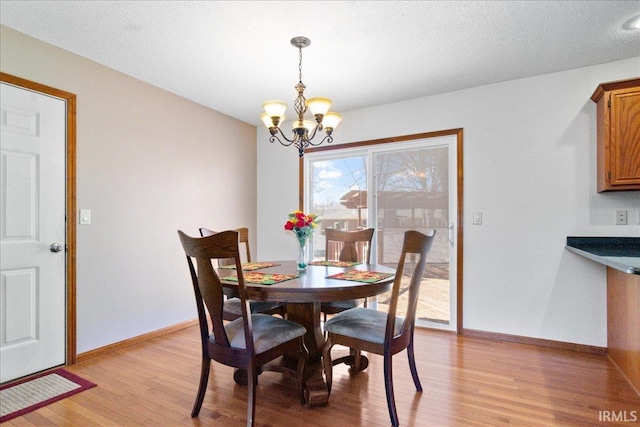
[338, 195]
[412, 193]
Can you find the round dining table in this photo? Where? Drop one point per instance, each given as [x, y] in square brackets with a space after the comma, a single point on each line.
[303, 295]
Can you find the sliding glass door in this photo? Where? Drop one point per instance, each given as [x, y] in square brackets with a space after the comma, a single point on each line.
[394, 187]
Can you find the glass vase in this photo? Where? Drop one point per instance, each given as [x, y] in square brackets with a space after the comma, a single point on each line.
[302, 253]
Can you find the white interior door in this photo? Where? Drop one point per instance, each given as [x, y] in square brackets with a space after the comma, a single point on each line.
[33, 287]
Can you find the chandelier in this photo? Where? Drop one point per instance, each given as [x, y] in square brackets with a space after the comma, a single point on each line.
[304, 131]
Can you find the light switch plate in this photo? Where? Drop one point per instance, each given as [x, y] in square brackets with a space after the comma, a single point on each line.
[477, 218]
[85, 216]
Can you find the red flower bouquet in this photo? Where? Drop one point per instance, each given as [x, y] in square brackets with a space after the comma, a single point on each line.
[302, 226]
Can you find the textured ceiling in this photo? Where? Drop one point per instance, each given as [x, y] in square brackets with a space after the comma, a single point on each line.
[233, 55]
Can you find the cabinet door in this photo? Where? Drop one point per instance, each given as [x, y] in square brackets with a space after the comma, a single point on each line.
[625, 136]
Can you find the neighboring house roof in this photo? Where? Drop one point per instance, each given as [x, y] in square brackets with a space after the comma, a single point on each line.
[397, 200]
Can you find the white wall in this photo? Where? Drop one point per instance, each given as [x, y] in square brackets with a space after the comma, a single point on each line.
[529, 166]
[148, 163]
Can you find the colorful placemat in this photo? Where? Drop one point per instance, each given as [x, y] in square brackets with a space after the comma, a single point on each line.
[361, 276]
[250, 266]
[334, 263]
[262, 278]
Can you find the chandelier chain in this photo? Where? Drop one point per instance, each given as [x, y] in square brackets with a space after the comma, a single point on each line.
[300, 65]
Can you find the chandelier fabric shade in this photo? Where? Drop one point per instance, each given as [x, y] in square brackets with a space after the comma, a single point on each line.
[304, 131]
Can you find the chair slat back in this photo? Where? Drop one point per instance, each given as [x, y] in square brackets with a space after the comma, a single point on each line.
[415, 243]
[207, 285]
[353, 246]
[243, 237]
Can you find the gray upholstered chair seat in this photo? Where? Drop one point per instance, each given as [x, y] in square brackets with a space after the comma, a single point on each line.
[232, 305]
[268, 332]
[362, 323]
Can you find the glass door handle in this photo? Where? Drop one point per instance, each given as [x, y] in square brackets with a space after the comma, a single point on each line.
[450, 233]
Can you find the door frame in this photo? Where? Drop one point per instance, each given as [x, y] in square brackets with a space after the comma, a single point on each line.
[70, 204]
[458, 132]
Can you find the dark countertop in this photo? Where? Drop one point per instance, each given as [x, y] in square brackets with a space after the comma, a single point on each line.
[621, 253]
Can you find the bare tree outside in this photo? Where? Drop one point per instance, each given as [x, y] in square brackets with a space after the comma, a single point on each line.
[413, 193]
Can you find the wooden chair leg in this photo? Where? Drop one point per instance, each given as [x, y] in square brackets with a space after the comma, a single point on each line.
[328, 365]
[323, 322]
[252, 376]
[356, 360]
[388, 385]
[302, 365]
[412, 365]
[202, 388]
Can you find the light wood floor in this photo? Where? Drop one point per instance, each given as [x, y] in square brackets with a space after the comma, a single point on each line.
[466, 381]
[433, 300]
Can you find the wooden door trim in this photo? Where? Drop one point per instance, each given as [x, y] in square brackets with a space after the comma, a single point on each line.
[70, 99]
[459, 147]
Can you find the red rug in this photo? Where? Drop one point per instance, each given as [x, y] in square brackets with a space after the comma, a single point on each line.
[24, 396]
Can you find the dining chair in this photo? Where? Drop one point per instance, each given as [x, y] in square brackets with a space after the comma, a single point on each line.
[232, 306]
[386, 334]
[353, 246]
[249, 342]
[243, 238]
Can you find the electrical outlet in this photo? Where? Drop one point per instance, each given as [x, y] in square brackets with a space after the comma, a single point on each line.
[621, 217]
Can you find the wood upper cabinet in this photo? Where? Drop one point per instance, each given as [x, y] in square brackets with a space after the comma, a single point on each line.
[618, 135]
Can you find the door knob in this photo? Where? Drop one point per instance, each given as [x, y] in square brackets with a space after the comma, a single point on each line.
[55, 247]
